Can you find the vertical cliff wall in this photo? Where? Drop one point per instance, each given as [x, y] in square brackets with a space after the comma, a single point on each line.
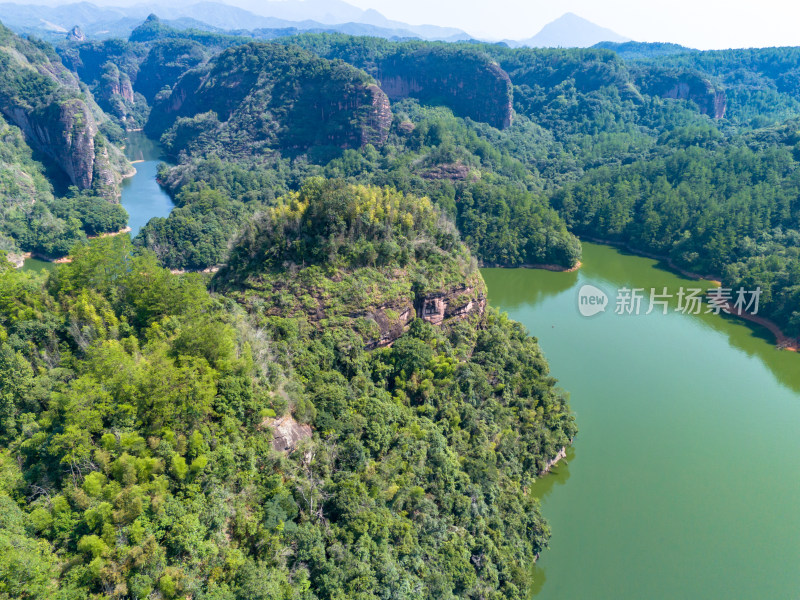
[43, 99]
[277, 97]
[686, 85]
[469, 83]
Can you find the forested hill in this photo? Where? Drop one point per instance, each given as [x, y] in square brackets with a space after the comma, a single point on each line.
[496, 137]
[259, 97]
[43, 99]
[337, 413]
[59, 173]
[159, 440]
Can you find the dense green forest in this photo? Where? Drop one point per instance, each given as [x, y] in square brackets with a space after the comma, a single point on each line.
[673, 152]
[136, 409]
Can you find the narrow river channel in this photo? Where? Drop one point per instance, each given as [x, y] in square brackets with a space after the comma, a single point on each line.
[142, 197]
[684, 481]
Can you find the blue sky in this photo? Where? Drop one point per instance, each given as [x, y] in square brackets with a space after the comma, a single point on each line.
[700, 24]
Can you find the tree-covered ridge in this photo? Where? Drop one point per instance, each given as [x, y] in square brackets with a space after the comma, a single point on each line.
[713, 207]
[125, 76]
[761, 84]
[469, 170]
[43, 99]
[137, 457]
[269, 97]
[344, 226]
[580, 115]
[351, 255]
[32, 217]
[460, 77]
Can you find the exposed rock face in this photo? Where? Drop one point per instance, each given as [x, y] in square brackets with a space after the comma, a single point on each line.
[286, 432]
[469, 83]
[437, 309]
[65, 132]
[122, 87]
[165, 63]
[452, 171]
[688, 86]
[114, 91]
[76, 35]
[273, 96]
[456, 304]
[390, 329]
[60, 123]
[378, 120]
[562, 454]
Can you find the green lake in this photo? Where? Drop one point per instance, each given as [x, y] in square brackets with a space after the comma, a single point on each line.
[684, 481]
[34, 264]
[142, 196]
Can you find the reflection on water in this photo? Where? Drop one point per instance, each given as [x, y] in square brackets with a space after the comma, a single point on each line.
[687, 457]
[34, 264]
[142, 196]
[515, 290]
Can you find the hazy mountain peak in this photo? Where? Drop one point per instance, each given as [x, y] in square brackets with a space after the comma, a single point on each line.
[572, 31]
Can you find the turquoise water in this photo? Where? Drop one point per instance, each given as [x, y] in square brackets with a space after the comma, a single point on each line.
[142, 197]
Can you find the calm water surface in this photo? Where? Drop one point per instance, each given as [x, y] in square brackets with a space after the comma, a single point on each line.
[684, 481]
[142, 197]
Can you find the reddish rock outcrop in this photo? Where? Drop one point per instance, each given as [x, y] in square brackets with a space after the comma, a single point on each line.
[456, 304]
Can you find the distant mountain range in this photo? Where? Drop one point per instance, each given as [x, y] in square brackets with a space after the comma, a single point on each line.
[53, 22]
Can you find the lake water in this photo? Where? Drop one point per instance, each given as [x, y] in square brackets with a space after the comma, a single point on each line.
[34, 264]
[142, 197]
[684, 481]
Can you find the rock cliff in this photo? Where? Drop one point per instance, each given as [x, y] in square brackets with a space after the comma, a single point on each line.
[44, 100]
[464, 79]
[76, 35]
[469, 83]
[286, 432]
[269, 96]
[686, 85]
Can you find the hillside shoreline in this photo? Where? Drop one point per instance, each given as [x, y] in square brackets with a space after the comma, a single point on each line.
[782, 341]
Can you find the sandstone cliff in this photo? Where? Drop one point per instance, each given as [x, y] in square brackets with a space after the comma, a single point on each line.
[469, 83]
[43, 99]
[269, 96]
[686, 85]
